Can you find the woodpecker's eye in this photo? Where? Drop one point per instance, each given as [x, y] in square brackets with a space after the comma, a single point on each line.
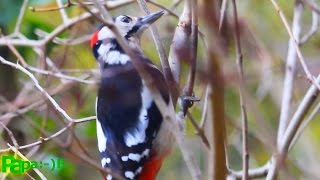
[125, 19]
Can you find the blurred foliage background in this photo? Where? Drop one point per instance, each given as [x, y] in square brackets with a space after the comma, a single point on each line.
[264, 40]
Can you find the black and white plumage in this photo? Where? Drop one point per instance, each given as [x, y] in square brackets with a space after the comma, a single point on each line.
[128, 120]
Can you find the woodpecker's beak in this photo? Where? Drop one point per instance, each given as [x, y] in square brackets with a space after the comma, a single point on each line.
[143, 22]
[150, 18]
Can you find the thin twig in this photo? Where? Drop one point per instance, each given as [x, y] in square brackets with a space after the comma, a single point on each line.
[21, 15]
[252, 173]
[62, 11]
[283, 146]
[222, 13]
[58, 133]
[200, 131]
[37, 85]
[188, 89]
[314, 25]
[312, 5]
[13, 139]
[244, 119]
[204, 109]
[109, 5]
[164, 8]
[310, 77]
[36, 170]
[304, 125]
[64, 26]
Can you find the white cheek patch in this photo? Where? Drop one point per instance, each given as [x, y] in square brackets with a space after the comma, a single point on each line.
[103, 50]
[124, 58]
[113, 57]
[105, 33]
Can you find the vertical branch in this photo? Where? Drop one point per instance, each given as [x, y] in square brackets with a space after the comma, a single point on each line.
[20, 17]
[290, 71]
[63, 12]
[180, 42]
[174, 91]
[283, 147]
[188, 89]
[314, 25]
[217, 159]
[245, 155]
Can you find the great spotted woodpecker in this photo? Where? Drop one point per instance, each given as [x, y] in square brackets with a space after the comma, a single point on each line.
[133, 139]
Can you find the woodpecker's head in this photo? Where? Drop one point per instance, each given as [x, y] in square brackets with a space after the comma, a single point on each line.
[129, 27]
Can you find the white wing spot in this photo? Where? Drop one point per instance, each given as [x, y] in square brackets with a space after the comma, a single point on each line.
[102, 140]
[124, 158]
[146, 152]
[129, 174]
[134, 157]
[109, 177]
[138, 171]
[104, 161]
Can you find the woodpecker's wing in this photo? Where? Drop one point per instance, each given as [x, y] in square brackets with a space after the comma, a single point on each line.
[128, 119]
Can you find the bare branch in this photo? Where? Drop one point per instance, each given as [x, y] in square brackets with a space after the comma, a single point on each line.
[244, 119]
[284, 144]
[36, 170]
[13, 139]
[62, 11]
[310, 77]
[199, 131]
[252, 173]
[314, 26]
[20, 17]
[188, 89]
[180, 42]
[304, 125]
[290, 71]
[222, 13]
[36, 83]
[217, 155]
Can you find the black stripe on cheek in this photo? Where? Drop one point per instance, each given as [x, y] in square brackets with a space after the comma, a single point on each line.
[134, 29]
[95, 49]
